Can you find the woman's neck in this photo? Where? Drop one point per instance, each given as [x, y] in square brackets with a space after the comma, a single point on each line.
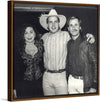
[29, 42]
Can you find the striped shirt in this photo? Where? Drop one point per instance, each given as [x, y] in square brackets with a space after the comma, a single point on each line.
[55, 46]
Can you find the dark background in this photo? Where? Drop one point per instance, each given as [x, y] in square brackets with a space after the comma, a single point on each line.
[88, 15]
[22, 16]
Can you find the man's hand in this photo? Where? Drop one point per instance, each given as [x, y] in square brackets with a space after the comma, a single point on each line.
[90, 38]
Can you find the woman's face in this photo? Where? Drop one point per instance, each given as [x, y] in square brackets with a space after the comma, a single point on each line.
[29, 34]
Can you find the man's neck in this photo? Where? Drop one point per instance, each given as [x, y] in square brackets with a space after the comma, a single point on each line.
[75, 37]
[55, 32]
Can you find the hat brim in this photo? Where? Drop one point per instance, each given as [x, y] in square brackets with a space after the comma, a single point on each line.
[43, 20]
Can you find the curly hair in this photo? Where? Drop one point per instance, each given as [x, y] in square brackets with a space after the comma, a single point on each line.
[20, 41]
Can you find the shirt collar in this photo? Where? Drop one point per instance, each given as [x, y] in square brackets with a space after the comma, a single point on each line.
[78, 40]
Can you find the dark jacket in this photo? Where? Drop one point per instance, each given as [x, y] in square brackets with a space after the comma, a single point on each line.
[88, 59]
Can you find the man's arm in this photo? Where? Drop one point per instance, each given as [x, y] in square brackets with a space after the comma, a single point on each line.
[93, 60]
[67, 60]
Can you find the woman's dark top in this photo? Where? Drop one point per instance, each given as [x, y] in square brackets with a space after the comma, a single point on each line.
[28, 72]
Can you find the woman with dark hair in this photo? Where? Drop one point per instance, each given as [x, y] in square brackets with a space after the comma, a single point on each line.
[29, 65]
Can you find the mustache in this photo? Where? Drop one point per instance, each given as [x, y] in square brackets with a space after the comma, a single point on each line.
[74, 30]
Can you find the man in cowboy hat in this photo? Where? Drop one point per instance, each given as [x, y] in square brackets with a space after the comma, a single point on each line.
[55, 42]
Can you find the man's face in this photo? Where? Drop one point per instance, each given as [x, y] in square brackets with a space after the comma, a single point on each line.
[53, 24]
[74, 27]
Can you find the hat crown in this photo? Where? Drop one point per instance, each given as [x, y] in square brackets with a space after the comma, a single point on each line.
[53, 12]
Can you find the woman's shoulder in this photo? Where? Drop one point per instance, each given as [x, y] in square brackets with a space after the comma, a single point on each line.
[38, 43]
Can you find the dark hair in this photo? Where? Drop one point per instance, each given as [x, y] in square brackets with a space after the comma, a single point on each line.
[20, 41]
[30, 25]
[73, 17]
[52, 16]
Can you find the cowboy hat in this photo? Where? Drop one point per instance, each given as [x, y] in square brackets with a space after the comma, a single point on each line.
[43, 19]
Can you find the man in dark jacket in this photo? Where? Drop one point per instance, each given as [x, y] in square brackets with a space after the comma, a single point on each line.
[81, 61]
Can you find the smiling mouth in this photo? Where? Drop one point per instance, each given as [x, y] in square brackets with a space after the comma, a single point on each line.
[29, 38]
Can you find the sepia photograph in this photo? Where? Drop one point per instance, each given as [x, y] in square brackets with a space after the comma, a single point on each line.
[55, 49]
